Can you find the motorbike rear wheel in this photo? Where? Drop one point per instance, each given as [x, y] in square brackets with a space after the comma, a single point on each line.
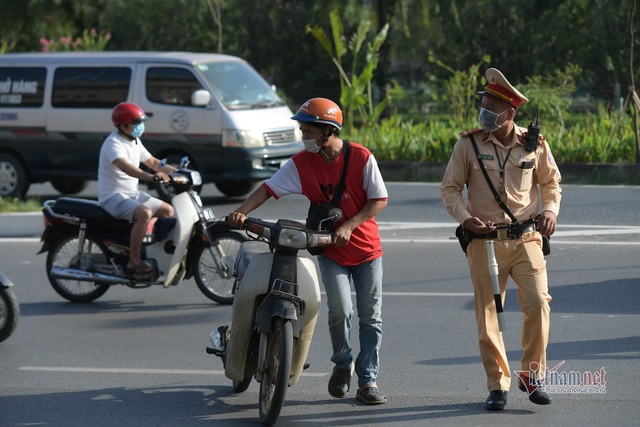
[64, 254]
[9, 313]
[275, 379]
[210, 280]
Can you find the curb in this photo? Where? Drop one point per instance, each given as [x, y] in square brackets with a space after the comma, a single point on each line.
[26, 224]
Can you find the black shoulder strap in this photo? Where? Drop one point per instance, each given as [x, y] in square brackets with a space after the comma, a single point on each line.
[486, 176]
[337, 195]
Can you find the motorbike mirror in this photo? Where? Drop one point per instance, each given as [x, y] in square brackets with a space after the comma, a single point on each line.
[184, 162]
[335, 214]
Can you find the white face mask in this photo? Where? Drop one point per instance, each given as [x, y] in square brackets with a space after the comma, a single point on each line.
[489, 120]
[311, 145]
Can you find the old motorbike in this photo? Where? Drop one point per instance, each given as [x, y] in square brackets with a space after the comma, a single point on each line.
[277, 299]
[89, 249]
[9, 308]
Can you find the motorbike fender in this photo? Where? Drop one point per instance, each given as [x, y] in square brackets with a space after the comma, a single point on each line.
[274, 307]
[186, 216]
[52, 233]
[5, 282]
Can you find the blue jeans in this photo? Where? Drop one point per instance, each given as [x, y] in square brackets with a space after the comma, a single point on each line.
[367, 282]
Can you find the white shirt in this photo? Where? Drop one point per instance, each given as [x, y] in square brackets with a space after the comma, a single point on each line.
[111, 179]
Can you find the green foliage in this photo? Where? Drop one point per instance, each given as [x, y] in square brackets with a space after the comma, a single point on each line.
[356, 89]
[432, 141]
[398, 140]
[14, 205]
[551, 94]
[596, 140]
[460, 90]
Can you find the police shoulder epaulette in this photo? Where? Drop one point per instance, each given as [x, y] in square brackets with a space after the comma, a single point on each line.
[469, 132]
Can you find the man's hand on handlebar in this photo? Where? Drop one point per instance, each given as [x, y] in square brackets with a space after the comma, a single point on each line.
[341, 235]
[160, 177]
[236, 219]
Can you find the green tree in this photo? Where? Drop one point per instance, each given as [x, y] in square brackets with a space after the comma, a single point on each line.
[355, 86]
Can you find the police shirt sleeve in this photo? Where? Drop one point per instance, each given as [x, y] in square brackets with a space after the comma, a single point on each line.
[453, 182]
[549, 180]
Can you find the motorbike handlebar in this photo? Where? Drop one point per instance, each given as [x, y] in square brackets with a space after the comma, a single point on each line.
[269, 230]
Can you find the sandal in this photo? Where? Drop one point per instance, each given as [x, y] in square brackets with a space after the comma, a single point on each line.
[141, 268]
[370, 394]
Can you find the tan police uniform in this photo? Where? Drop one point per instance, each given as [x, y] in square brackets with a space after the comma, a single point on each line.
[516, 174]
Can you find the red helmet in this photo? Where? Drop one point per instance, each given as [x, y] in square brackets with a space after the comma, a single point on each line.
[320, 110]
[127, 113]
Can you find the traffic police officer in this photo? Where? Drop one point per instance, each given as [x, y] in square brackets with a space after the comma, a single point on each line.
[516, 173]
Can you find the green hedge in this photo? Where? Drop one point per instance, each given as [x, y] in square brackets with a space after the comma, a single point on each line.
[598, 138]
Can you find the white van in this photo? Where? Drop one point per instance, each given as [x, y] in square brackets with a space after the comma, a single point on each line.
[55, 112]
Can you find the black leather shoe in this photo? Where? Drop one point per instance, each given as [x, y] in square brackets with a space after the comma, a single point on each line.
[497, 400]
[539, 396]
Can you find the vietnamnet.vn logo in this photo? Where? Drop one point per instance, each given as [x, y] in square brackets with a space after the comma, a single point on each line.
[564, 382]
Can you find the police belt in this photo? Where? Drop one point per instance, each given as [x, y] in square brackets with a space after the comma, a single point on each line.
[506, 231]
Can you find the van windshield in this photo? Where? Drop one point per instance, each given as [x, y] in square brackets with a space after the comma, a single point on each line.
[239, 86]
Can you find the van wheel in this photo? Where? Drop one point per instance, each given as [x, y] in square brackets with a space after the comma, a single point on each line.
[13, 177]
[235, 188]
[70, 187]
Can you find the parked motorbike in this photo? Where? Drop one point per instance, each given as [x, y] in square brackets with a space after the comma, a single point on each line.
[277, 299]
[89, 249]
[9, 308]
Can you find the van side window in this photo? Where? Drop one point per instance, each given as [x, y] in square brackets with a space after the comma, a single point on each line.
[22, 87]
[171, 85]
[90, 87]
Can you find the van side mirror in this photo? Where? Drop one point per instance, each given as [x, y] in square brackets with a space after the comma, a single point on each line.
[200, 98]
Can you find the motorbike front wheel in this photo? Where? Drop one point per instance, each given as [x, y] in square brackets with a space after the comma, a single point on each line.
[215, 283]
[277, 369]
[241, 386]
[9, 313]
[64, 254]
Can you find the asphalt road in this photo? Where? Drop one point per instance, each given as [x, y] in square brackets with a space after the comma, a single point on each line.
[137, 357]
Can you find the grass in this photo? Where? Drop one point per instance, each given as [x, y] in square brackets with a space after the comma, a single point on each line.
[15, 205]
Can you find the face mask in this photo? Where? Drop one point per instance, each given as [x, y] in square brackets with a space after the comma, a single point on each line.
[138, 130]
[488, 119]
[311, 146]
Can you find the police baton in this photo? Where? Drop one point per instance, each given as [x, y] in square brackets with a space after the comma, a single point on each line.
[493, 272]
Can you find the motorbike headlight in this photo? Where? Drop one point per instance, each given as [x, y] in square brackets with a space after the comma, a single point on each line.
[292, 238]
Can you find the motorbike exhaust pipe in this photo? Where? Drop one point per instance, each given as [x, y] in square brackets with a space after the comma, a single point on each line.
[86, 276]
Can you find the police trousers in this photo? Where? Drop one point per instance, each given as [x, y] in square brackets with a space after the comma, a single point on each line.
[523, 261]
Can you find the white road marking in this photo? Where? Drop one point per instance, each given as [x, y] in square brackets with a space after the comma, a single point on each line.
[564, 230]
[139, 371]
[421, 294]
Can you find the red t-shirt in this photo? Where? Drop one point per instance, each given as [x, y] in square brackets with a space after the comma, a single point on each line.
[310, 175]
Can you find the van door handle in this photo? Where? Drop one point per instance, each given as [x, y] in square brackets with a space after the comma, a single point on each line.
[148, 114]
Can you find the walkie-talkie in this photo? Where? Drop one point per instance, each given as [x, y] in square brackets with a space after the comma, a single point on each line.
[532, 135]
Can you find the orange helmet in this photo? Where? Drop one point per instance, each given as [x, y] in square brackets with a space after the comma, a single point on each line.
[320, 110]
[127, 113]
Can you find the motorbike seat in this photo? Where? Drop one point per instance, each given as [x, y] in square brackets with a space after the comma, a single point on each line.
[83, 208]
